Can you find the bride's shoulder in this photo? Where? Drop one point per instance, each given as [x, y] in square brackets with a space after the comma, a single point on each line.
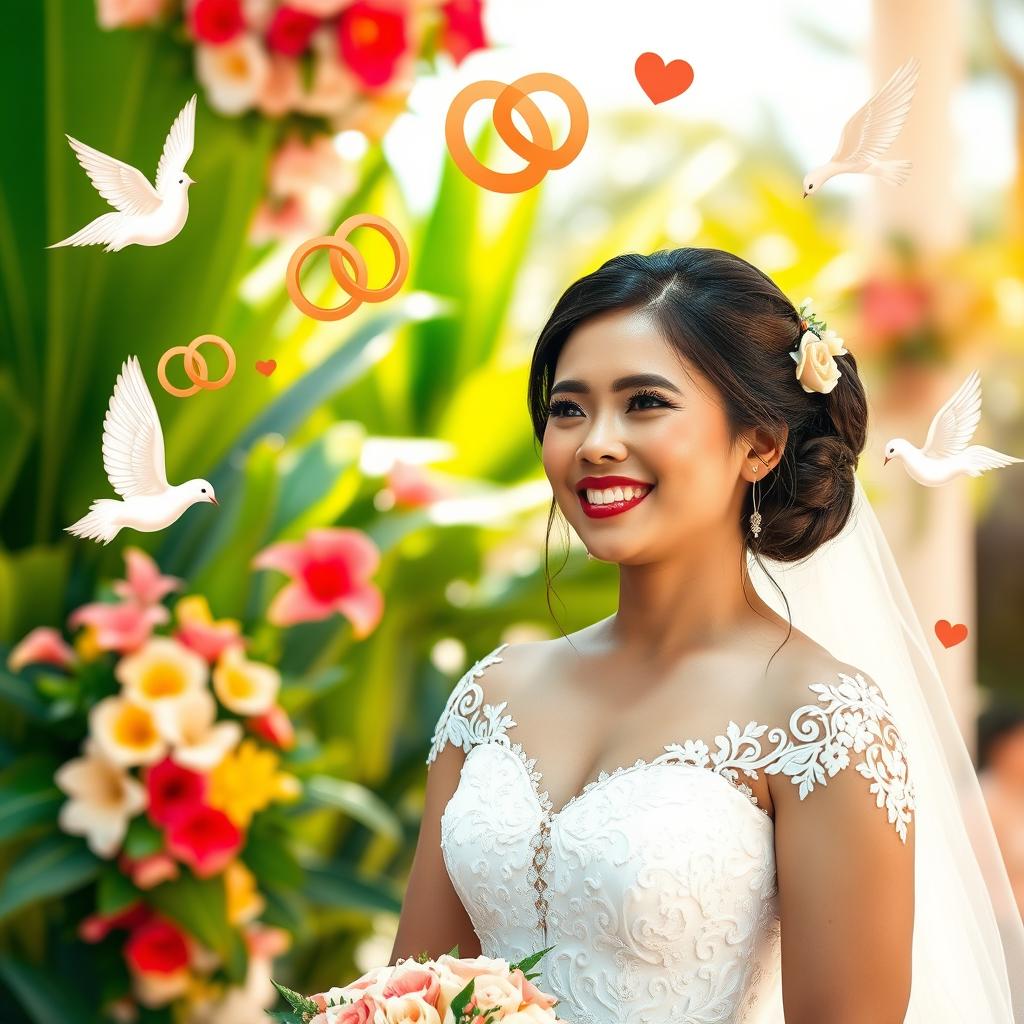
[476, 708]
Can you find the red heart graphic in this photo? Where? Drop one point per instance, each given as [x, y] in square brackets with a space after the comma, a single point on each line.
[950, 635]
[662, 81]
[266, 366]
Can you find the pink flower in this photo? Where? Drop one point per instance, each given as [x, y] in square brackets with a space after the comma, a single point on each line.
[42, 646]
[321, 8]
[144, 584]
[298, 166]
[118, 13]
[122, 627]
[290, 31]
[330, 573]
[411, 487]
[216, 21]
[205, 839]
[96, 927]
[283, 219]
[281, 87]
[362, 1012]
[150, 871]
[198, 631]
[372, 36]
[463, 29]
[413, 981]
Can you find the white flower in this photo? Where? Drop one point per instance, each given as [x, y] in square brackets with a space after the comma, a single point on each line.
[200, 743]
[233, 73]
[816, 367]
[243, 686]
[161, 671]
[103, 798]
[125, 732]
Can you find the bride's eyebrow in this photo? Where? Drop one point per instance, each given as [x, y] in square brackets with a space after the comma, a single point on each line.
[633, 380]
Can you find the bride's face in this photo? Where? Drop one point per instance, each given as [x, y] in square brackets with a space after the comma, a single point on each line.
[670, 432]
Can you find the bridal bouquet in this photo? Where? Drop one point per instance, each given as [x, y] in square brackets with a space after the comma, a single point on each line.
[448, 990]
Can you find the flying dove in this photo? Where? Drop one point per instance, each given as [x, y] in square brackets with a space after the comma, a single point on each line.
[146, 215]
[133, 458]
[945, 454]
[870, 132]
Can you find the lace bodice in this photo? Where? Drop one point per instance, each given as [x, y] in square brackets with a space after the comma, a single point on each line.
[656, 883]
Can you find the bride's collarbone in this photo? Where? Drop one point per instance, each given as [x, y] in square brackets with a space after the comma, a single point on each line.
[578, 729]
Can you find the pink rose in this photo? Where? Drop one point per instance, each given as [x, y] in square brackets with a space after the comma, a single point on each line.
[415, 980]
[361, 1012]
[532, 995]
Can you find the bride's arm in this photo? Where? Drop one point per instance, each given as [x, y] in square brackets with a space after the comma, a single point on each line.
[846, 878]
[433, 918]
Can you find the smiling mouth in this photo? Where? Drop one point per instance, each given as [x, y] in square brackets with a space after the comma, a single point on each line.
[611, 508]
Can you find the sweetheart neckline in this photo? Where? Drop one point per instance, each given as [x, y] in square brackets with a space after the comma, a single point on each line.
[673, 753]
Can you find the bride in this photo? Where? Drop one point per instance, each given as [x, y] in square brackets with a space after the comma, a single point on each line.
[741, 797]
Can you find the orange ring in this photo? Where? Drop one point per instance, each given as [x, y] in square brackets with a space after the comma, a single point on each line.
[199, 376]
[528, 149]
[539, 152]
[338, 248]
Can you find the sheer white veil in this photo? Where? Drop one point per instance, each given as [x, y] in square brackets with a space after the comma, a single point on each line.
[968, 956]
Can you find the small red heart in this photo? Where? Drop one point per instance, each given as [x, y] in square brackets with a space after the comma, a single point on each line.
[662, 81]
[266, 366]
[950, 635]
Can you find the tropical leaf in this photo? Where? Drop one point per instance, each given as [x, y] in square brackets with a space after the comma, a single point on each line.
[53, 867]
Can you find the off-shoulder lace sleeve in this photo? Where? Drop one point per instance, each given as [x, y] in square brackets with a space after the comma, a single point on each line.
[466, 720]
[851, 724]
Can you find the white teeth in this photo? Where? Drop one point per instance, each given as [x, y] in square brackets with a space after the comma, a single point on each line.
[605, 497]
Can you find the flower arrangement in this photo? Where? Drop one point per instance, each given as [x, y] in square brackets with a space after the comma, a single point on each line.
[450, 989]
[320, 66]
[184, 751]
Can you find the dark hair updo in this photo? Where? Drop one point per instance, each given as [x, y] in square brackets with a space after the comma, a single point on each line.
[732, 322]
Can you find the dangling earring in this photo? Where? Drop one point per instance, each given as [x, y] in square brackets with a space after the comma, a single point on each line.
[755, 516]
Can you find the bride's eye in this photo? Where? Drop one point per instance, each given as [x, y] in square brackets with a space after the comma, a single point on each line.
[558, 408]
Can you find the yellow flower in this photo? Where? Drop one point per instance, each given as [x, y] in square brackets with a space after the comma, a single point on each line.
[245, 782]
[161, 670]
[243, 686]
[86, 644]
[244, 900]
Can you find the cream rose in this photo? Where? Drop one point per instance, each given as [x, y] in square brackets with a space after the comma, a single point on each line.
[816, 367]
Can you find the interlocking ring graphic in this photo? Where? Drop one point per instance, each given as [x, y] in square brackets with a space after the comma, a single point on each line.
[338, 248]
[195, 366]
[539, 151]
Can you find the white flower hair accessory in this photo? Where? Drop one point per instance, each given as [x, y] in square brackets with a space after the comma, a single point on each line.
[815, 352]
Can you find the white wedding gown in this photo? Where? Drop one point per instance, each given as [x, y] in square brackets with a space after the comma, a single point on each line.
[655, 884]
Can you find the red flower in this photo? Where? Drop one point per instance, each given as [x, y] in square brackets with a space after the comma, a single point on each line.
[894, 307]
[290, 30]
[217, 21]
[371, 38]
[330, 569]
[205, 839]
[122, 627]
[463, 30]
[173, 791]
[157, 947]
[274, 726]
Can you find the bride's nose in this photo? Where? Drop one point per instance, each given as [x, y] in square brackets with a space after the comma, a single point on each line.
[604, 438]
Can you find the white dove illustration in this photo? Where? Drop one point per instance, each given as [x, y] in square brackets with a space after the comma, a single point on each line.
[133, 458]
[945, 454]
[146, 215]
[870, 132]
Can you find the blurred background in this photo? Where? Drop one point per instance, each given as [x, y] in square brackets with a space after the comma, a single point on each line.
[402, 430]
